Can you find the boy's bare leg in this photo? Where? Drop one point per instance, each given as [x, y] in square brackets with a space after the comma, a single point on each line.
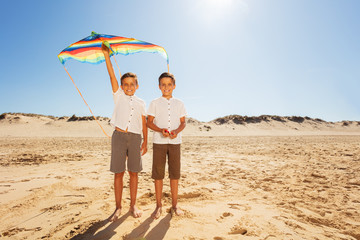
[118, 189]
[158, 194]
[133, 192]
[174, 185]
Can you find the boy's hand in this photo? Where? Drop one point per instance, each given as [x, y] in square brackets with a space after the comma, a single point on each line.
[143, 148]
[165, 132]
[173, 134]
[105, 49]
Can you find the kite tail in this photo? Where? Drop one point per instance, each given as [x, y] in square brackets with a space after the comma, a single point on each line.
[86, 104]
[168, 68]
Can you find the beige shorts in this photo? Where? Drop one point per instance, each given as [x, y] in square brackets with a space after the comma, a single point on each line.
[125, 145]
[160, 151]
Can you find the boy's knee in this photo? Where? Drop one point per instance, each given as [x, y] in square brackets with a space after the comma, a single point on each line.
[119, 175]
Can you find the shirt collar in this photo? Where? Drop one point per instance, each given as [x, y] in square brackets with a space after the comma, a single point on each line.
[127, 96]
[164, 98]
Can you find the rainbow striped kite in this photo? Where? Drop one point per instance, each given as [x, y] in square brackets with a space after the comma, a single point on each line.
[88, 50]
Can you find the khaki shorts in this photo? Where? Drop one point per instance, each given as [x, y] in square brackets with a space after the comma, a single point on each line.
[125, 145]
[160, 151]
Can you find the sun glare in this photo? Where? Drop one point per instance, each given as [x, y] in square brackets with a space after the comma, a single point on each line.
[219, 3]
[214, 11]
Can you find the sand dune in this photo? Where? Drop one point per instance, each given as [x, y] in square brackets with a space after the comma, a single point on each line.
[33, 125]
[246, 179]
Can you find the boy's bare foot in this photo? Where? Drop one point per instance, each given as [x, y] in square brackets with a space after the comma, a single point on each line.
[177, 211]
[136, 213]
[115, 216]
[157, 213]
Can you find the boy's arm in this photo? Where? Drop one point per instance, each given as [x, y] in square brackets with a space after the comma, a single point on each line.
[181, 127]
[152, 126]
[145, 135]
[114, 82]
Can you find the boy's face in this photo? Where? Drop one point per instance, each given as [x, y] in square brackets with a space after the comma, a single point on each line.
[129, 86]
[167, 86]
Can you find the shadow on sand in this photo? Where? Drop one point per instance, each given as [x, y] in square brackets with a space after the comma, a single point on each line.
[106, 233]
[157, 233]
[139, 231]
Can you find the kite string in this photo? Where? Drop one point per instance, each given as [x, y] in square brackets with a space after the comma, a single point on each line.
[117, 66]
[86, 104]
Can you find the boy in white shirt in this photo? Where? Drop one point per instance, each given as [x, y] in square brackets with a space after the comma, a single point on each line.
[166, 117]
[129, 121]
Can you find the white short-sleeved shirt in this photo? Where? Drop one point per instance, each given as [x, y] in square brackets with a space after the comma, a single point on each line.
[167, 114]
[128, 112]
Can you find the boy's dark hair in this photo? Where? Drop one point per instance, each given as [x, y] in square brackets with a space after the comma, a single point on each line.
[129, 74]
[169, 75]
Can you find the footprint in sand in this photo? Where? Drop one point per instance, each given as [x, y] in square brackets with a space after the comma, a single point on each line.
[224, 215]
[227, 214]
[17, 230]
[53, 208]
[190, 195]
[239, 206]
[6, 185]
[238, 230]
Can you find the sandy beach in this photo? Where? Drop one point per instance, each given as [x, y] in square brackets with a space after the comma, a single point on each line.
[242, 178]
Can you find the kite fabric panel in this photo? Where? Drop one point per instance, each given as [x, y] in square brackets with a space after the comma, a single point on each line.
[89, 49]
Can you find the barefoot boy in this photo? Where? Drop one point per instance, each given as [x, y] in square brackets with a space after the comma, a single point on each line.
[166, 116]
[129, 120]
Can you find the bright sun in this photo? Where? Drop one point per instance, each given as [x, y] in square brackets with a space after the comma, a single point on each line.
[212, 11]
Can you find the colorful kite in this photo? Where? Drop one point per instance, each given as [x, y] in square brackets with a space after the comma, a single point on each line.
[88, 50]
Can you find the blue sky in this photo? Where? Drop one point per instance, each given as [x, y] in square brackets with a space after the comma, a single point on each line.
[246, 57]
